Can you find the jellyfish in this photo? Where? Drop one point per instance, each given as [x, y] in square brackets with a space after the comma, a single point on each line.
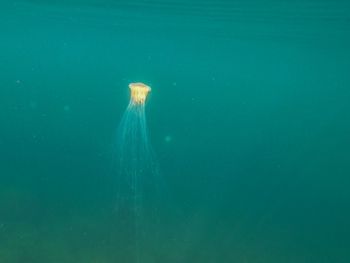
[135, 156]
[134, 150]
[137, 170]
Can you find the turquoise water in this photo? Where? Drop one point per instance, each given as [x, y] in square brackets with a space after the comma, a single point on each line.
[248, 117]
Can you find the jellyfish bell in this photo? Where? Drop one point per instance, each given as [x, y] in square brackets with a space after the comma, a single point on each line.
[139, 92]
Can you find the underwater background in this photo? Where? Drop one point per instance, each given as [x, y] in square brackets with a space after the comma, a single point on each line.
[248, 117]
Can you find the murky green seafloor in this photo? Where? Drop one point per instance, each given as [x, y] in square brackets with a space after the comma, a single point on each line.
[249, 117]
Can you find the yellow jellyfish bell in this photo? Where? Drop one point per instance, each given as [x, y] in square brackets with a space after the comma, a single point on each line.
[139, 92]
